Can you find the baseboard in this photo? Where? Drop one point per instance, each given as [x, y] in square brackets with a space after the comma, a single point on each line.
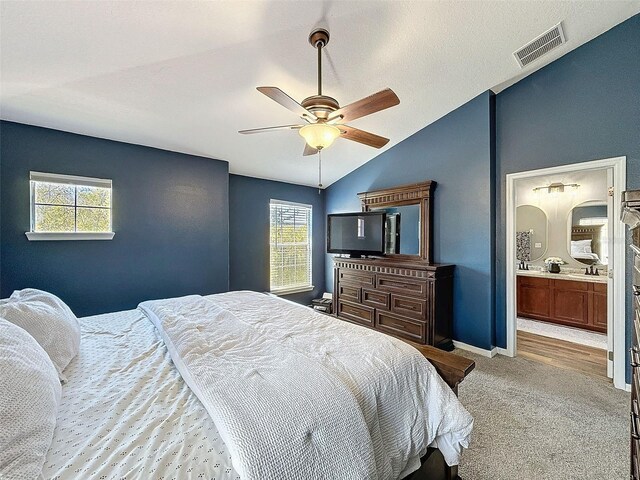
[627, 387]
[503, 351]
[480, 351]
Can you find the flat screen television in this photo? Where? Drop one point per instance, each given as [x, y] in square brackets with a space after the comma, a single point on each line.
[356, 234]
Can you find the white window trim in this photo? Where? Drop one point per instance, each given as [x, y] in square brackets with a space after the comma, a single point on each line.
[38, 236]
[67, 180]
[289, 291]
[301, 288]
[70, 179]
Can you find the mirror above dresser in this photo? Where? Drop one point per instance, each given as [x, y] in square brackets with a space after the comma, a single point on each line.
[408, 219]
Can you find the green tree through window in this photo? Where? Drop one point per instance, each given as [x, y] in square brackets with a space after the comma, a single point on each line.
[69, 207]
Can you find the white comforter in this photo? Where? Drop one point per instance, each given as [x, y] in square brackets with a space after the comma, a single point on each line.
[127, 414]
[296, 394]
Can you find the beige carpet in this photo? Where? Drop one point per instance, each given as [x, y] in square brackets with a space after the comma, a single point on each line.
[533, 421]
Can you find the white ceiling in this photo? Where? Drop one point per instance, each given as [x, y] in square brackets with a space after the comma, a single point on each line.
[181, 75]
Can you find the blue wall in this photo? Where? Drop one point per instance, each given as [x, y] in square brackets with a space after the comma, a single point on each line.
[456, 152]
[249, 232]
[170, 215]
[584, 106]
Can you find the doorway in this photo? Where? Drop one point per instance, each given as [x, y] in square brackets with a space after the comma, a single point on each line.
[591, 245]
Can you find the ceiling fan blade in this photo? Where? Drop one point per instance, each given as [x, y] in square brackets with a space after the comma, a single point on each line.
[363, 137]
[271, 129]
[373, 103]
[274, 93]
[309, 150]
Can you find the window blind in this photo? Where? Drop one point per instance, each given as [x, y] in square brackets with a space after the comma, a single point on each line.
[290, 246]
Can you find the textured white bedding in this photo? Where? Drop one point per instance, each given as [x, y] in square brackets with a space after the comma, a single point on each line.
[127, 413]
[296, 394]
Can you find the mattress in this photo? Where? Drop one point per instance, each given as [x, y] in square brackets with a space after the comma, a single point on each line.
[127, 413]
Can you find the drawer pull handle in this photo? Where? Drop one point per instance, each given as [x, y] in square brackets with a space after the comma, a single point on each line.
[406, 306]
[397, 325]
[394, 284]
[632, 353]
[634, 433]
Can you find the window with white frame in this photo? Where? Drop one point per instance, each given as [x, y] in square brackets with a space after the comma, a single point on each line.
[290, 246]
[67, 207]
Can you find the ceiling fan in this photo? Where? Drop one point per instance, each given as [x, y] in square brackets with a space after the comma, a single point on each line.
[325, 119]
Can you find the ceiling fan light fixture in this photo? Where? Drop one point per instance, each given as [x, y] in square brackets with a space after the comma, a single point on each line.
[319, 135]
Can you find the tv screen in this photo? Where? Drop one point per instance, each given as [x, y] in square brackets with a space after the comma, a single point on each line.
[360, 233]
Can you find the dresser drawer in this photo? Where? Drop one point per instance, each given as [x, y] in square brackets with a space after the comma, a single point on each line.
[635, 382]
[401, 285]
[350, 293]
[635, 460]
[375, 299]
[401, 326]
[356, 313]
[635, 423]
[411, 307]
[634, 360]
[356, 278]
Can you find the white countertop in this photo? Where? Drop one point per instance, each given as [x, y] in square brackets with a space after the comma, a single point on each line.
[602, 278]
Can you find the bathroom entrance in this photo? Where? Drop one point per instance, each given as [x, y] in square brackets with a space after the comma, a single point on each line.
[565, 283]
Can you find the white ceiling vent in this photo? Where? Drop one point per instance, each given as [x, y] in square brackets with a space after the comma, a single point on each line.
[540, 45]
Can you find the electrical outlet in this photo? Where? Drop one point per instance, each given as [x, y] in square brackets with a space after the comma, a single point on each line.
[537, 245]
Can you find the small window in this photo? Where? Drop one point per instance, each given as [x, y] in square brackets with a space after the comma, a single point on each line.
[66, 207]
[290, 247]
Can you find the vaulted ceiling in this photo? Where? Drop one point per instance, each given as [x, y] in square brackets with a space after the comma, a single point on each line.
[181, 75]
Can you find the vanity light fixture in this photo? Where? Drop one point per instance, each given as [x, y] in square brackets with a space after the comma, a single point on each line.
[557, 187]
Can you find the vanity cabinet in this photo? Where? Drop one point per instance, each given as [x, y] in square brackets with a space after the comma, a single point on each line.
[573, 303]
[534, 299]
[600, 306]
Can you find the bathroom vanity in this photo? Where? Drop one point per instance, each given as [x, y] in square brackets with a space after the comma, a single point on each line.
[575, 300]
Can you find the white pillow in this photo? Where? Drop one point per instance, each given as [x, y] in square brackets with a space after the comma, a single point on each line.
[47, 319]
[580, 246]
[29, 400]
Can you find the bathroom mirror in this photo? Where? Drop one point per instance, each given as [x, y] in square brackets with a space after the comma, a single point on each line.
[531, 233]
[588, 233]
[402, 232]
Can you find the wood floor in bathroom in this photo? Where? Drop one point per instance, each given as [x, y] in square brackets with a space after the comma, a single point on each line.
[562, 354]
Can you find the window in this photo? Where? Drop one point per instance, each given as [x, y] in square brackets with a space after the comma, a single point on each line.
[290, 245]
[65, 207]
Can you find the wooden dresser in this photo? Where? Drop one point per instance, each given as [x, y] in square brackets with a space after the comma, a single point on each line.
[404, 295]
[631, 216]
[410, 300]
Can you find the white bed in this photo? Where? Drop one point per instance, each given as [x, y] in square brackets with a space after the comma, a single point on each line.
[127, 413]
